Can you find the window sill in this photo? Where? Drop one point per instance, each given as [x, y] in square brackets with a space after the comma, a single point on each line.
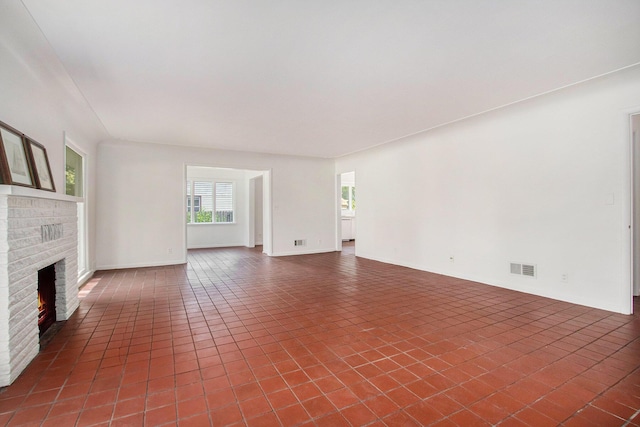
[211, 223]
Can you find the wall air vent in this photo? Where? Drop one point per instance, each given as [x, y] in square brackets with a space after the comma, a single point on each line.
[528, 270]
[301, 242]
[516, 268]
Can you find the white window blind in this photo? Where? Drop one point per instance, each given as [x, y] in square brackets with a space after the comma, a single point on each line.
[204, 191]
[224, 202]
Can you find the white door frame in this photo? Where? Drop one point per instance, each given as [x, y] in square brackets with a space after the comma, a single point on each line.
[267, 217]
[634, 152]
[338, 211]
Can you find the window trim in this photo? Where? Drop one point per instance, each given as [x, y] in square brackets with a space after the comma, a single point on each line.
[84, 260]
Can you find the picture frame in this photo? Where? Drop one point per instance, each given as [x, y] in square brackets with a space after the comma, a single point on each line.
[41, 169]
[15, 160]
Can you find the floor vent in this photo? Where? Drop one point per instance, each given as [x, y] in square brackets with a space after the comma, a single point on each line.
[301, 242]
[528, 270]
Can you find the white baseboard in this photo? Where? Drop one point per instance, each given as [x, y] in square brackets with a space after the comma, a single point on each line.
[307, 252]
[139, 265]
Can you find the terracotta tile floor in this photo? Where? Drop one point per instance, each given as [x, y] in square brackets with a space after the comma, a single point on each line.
[237, 338]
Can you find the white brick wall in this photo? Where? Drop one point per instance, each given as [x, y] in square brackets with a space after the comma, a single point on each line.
[22, 253]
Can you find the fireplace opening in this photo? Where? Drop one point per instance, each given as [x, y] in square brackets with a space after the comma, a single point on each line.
[46, 298]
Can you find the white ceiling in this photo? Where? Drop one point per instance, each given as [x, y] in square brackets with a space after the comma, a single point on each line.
[328, 77]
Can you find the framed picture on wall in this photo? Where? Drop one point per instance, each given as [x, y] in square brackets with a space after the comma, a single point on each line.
[41, 169]
[15, 167]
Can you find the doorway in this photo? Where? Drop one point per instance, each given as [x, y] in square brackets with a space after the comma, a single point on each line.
[256, 211]
[347, 199]
[223, 210]
[635, 153]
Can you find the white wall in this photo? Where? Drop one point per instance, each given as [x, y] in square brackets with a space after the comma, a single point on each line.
[141, 201]
[545, 181]
[221, 235]
[40, 100]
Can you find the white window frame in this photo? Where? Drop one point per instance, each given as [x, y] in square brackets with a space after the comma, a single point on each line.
[213, 183]
[192, 198]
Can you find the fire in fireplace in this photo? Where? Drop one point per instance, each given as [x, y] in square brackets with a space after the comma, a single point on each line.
[46, 298]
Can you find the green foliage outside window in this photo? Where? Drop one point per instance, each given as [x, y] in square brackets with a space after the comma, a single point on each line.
[73, 173]
[204, 216]
[70, 174]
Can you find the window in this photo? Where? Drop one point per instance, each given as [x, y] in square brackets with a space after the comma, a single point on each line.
[73, 173]
[348, 198]
[74, 186]
[197, 201]
[204, 198]
[224, 202]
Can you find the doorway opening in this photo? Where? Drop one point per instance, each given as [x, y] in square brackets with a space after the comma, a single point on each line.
[348, 221]
[635, 227]
[227, 207]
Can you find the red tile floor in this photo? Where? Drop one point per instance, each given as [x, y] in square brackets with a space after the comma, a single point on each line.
[238, 338]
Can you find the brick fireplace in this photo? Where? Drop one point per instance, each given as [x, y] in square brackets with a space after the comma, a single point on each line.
[38, 229]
